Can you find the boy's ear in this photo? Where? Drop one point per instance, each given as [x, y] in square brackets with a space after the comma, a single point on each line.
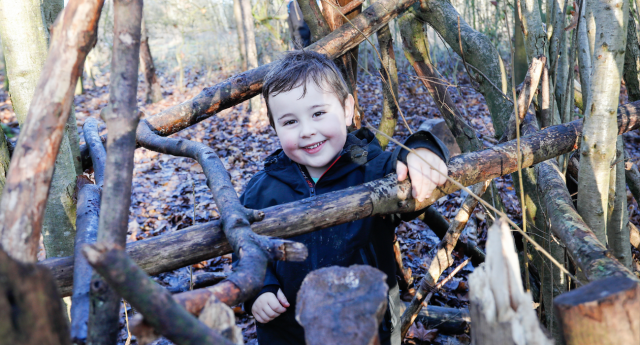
[349, 109]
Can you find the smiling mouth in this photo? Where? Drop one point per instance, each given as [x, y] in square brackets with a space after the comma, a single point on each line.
[315, 147]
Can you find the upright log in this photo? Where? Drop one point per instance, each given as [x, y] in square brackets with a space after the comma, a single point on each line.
[342, 305]
[121, 117]
[205, 241]
[604, 312]
[30, 171]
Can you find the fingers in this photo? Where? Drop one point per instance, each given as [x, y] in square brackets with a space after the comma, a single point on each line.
[267, 307]
[275, 306]
[282, 298]
[401, 171]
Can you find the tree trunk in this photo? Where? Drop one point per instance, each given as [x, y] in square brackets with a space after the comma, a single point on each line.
[318, 25]
[500, 309]
[584, 55]
[30, 174]
[618, 229]
[389, 117]
[154, 90]
[250, 46]
[205, 241]
[121, 117]
[604, 312]
[632, 61]
[598, 147]
[242, 48]
[24, 32]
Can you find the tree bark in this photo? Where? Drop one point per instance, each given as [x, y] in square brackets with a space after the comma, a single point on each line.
[584, 55]
[312, 14]
[121, 118]
[239, 88]
[154, 90]
[478, 52]
[30, 307]
[30, 174]
[250, 45]
[631, 72]
[599, 135]
[603, 312]
[500, 309]
[389, 117]
[339, 303]
[154, 302]
[237, 15]
[618, 229]
[25, 33]
[205, 241]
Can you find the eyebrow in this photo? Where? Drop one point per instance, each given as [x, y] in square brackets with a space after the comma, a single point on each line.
[312, 107]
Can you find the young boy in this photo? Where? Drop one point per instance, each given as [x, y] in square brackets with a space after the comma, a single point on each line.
[309, 107]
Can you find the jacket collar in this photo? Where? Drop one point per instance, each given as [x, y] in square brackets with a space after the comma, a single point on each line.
[360, 147]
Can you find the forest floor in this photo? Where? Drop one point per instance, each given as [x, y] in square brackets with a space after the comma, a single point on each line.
[170, 193]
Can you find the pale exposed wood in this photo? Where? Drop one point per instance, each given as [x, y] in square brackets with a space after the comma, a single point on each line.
[604, 312]
[501, 311]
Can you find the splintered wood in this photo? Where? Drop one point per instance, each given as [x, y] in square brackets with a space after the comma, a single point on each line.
[342, 305]
[501, 312]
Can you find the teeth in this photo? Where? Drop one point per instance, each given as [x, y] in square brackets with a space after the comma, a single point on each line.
[314, 145]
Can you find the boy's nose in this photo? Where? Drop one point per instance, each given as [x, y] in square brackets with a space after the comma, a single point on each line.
[307, 130]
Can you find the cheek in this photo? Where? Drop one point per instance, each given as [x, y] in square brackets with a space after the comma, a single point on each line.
[288, 142]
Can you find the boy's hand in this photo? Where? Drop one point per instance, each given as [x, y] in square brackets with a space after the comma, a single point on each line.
[269, 306]
[424, 179]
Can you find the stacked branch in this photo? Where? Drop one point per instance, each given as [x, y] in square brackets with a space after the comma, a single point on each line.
[205, 241]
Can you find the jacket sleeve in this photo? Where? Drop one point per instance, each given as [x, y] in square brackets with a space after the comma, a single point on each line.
[420, 139]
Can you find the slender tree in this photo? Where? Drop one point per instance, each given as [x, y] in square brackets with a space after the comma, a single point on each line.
[607, 30]
[237, 15]
[154, 90]
[24, 30]
[250, 45]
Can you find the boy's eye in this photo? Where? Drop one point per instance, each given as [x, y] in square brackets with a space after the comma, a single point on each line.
[318, 113]
[290, 122]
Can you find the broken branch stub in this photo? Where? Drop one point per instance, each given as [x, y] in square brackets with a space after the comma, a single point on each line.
[243, 86]
[205, 241]
[338, 305]
[31, 168]
[154, 302]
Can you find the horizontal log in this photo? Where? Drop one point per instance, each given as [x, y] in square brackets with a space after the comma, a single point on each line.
[246, 85]
[205, 241]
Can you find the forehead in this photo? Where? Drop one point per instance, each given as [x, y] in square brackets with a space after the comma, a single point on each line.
[295, 98]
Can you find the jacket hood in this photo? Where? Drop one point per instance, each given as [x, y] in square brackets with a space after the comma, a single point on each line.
[360, 147]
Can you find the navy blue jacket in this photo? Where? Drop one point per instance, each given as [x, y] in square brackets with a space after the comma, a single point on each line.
[367, 241]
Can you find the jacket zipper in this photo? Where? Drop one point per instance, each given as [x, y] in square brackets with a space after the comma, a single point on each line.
[310, 184]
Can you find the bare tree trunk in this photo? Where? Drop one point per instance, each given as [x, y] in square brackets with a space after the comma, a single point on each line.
[25, 59]
[154, 90]
[318, 25]
[250, 45]
[599, 135]
[122, 119]
[30, 174]
[584, 55]
[237, 15]
[618, 229]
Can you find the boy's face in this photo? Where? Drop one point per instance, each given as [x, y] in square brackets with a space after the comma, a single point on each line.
[312, 129]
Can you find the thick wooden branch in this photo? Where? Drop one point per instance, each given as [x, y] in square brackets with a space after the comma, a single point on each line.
[121, 117]
[31, 168]
[154, 302]
[96, 150]
[243, 86]
[205, 241]
[253, 250]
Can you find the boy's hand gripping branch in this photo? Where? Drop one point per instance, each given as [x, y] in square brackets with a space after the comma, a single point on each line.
[424, 179]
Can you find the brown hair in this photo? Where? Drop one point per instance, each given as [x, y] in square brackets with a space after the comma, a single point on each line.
[295, 69]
